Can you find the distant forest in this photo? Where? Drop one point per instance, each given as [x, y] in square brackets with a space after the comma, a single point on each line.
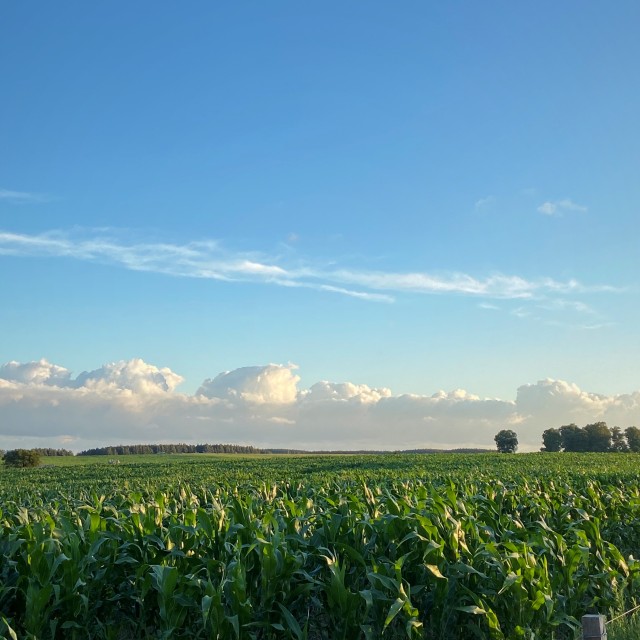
[133, 449]
[123, 450]
[47, 451]
[570, 438]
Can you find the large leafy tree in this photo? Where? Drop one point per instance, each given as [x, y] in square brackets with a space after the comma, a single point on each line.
[574, 438]
[618, 441]
[633, 438]
[506, 441]
[22, 458]
[552, 440]
[598, 437]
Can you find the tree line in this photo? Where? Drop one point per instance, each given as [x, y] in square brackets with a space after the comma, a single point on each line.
[48, 452]
[592, 437]
[43, 451]
[132, 449]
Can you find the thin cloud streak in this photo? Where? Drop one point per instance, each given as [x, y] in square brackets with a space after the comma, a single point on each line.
[22, 197]
[558, 207]
[363, 295]
[485, 203]
[209, 260]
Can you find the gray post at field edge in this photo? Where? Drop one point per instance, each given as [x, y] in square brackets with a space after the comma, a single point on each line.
[593, 627]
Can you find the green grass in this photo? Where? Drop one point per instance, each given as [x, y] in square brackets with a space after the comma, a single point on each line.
[67, 461]
[627, 628]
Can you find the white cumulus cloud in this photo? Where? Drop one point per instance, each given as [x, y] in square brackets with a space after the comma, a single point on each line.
[342, 391]
[134, 401]
[39, 372]
[133, 375]
[275, 384]
[549, 398]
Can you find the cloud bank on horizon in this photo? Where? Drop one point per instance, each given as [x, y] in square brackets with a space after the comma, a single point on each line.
[127, 402]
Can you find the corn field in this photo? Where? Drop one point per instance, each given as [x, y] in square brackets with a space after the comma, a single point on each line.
[318, 547]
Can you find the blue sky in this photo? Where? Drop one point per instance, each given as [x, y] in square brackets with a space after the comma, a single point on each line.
[416, 198]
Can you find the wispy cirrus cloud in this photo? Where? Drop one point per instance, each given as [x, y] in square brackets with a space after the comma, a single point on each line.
[22, 197]
[211, 260]
[558, 207]
[485, 203]
[362, 295]
[560, 312]
[494, 286]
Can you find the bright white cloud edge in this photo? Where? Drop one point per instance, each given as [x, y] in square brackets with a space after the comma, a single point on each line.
[41, 404]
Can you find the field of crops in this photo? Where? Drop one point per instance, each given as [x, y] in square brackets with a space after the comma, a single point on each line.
[318, 547]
